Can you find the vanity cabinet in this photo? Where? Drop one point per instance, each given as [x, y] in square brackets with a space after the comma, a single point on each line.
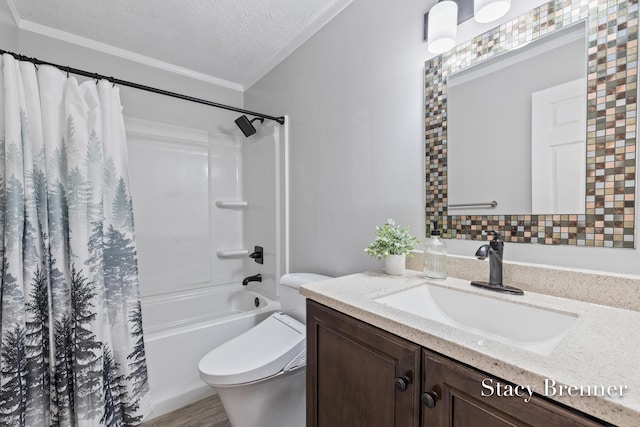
[359, 375]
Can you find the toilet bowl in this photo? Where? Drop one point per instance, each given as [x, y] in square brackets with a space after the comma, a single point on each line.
[260, 374]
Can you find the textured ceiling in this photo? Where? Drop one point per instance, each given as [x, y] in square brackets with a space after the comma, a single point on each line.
[234, 40]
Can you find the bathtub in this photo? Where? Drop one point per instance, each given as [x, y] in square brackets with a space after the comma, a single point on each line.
[181, 327]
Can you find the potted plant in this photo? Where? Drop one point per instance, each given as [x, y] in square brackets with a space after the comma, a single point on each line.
[392, 243]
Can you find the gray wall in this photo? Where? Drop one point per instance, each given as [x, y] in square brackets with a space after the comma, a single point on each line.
[7, 37]
[354, 93]
[7, 28]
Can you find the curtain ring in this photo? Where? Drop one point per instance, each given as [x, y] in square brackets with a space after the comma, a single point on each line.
[68, 68]
[112, 80]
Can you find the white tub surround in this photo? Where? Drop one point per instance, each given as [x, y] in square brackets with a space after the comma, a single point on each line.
[177, 174]
[599, 349]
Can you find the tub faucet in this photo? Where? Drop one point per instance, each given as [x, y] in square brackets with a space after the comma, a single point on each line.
[494, 251]
[256, 278]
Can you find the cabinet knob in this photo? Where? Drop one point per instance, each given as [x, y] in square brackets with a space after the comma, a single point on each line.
[402, 383]
[429, 398]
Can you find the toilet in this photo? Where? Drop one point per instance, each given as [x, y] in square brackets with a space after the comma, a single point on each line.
[260, 374]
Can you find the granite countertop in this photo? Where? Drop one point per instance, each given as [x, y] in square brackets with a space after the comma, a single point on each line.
[601, 348]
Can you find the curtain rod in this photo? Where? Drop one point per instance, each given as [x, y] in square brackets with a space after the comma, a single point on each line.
[142, 87]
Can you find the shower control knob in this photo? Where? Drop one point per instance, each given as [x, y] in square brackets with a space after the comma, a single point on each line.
[402, 383]
[429, 398]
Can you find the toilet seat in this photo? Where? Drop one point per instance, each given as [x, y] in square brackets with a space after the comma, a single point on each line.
[278, 343]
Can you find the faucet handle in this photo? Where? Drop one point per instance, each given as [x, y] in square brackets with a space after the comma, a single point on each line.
[496, 235]
[496, 242]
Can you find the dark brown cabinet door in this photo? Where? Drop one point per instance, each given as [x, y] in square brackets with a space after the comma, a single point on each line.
[452, 397]
[358, 375]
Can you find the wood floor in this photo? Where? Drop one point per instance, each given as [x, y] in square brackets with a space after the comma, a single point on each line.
[207, 412]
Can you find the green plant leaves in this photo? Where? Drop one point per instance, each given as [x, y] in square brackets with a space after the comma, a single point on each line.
[391, 239]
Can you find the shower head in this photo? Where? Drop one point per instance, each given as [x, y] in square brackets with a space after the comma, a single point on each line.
[246, 125]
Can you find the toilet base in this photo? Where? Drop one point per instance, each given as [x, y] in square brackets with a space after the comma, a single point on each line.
[278, 401]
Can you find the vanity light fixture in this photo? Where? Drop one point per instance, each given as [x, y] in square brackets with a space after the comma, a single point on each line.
[442, 26]
[485, 11]
[441, 22]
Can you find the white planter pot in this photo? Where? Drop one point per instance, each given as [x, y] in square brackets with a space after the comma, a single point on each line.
[394, 264]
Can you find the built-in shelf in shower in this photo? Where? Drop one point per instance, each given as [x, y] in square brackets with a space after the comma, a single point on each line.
[232, 204]
[232, 253]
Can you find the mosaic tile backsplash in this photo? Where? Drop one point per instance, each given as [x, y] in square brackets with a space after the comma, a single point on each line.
[612, 37]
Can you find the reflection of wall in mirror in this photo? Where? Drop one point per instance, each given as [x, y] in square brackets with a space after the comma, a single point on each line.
[489, 129]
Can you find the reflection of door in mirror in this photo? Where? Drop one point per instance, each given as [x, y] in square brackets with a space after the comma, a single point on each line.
[558, 149]
[489, 127]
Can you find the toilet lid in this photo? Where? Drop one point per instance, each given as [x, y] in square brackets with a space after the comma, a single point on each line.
[258, 353]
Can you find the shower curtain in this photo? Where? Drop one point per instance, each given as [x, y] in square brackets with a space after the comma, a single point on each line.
[71, 344]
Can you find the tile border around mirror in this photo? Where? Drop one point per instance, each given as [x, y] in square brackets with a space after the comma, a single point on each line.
[612, 59]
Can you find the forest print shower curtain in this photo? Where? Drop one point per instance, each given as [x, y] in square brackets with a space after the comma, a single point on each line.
[71, 344]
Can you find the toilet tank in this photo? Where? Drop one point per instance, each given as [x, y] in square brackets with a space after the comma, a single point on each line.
[292, 302]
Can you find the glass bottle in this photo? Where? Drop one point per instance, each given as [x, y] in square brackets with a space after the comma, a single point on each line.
[435, 256]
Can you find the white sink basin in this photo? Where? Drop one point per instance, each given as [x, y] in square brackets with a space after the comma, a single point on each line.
[534, 329]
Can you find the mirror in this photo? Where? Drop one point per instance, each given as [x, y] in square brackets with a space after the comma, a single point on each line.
[522, 113]
[604, 214]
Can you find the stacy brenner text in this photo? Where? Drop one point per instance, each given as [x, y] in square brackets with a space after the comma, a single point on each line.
[492, 387]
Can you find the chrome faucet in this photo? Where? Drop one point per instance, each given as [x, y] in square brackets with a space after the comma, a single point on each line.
[494, 251]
